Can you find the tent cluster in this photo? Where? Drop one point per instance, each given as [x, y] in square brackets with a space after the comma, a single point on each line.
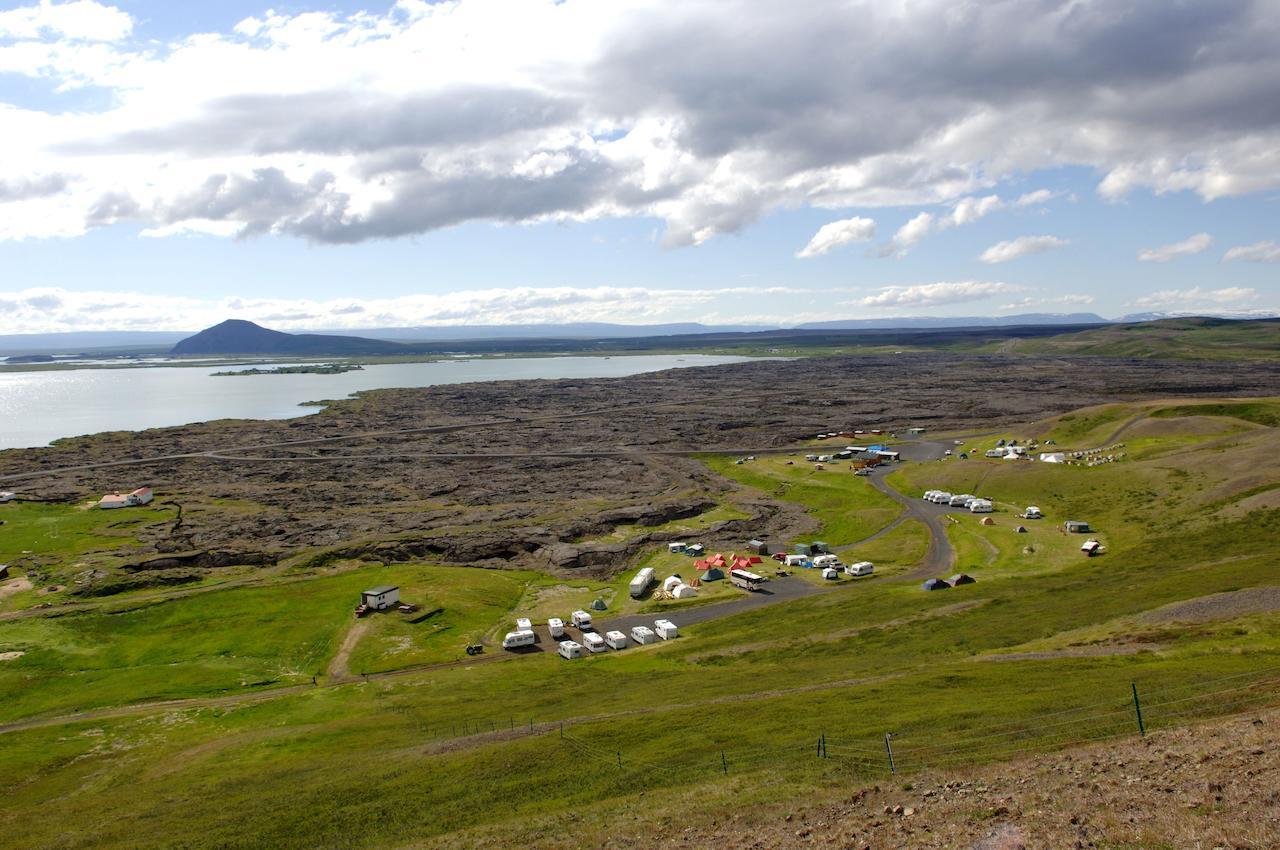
[948, 583]
[717, 565]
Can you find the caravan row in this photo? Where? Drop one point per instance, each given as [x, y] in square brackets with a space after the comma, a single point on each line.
[592, 642]
[961, 500]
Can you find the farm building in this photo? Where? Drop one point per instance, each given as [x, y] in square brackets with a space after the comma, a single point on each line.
[961, 578]
[935, 584]
[865, 460]
[758, 546]
[141, 496]
[1076, 527]
[380, 598]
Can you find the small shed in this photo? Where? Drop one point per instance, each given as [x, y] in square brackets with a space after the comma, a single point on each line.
[380, 598]
[1076, 527]
[961, 578]
[935, 584]
[758, 546]
[819, 547]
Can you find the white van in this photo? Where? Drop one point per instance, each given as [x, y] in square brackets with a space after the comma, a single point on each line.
[515, 640]
[556, 626]
[581, 620]
[593, 642]
[570, 649]
[523, 624]
[643, 635]
[666, 629]
[862, 568]
[615, 640]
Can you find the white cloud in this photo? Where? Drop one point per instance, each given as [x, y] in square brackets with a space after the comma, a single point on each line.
[917, 228]
[337, 127]
[78, 20]
[969, 210]
[1039, 196]
[933, 294]
[1012, 249]
[837, 233]
[1191, 245]
[1198, 296]
[1075, 300]
[1258, 252]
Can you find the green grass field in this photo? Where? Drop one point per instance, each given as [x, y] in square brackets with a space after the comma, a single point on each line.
[420, 759]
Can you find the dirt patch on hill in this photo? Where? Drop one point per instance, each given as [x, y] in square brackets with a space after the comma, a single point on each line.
[1071, 652]
[1217, 606]
[18, 585]
[11, 656]
[1185, 426]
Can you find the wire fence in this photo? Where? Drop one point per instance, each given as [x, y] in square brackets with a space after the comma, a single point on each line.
[1133, 713]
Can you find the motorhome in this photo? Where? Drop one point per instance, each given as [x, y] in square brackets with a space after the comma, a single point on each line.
[570, 649]
[593, 642]
[615, 640]
[516, 640]
[556, 627]
[523, 624]
[580, 620]
[643, 635]
[665, 629]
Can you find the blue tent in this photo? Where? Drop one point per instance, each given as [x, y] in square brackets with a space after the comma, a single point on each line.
[935, 584]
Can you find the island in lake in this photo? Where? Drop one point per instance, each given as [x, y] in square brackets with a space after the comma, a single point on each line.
[313, 369]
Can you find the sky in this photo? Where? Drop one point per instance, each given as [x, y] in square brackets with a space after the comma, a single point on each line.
[167, 165]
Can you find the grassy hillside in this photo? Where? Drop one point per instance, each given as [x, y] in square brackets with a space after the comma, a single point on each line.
[1039, 653]
[1179, 339]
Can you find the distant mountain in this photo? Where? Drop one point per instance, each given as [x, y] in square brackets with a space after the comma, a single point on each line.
[236, 336]
[1225, 314]
[571, 330]
[959, 321]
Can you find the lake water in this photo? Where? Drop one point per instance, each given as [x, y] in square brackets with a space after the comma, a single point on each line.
[37, 407]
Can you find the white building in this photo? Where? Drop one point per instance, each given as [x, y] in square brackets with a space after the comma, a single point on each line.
[380, 598]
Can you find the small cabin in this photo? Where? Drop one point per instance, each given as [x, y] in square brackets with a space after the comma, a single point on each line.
[141, 496]
[758, 546]
[1076, 527]
[380, 598]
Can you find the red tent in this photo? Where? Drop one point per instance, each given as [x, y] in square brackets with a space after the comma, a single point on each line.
[755, 559]
[701, 565]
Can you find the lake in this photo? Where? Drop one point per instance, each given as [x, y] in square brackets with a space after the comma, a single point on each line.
[37, 407]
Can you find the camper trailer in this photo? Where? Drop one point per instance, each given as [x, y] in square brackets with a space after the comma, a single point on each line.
[795, 561]
[593, 642]
[1032, 512]
[824, 561]
[615, 640]
[580, 620]
[641, 582]
[524, 624]
[981, 506]
[556, 627]
[665, 629]
[516, 640]
[643, 635]
[862, 568]
[570, 649]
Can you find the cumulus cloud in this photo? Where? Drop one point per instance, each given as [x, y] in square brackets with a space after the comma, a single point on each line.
[1259, 252]
[1039, 196]
[708, 114]
[1191, 245]
[933, 294]
[906, 237]
[837, 233]
[1198, 297]
[1073, 300]
[1012, 249]
[79, 20]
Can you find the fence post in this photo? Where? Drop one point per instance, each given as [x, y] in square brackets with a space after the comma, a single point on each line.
[1137, 707]
[619, 759]
[888, 748]
[724, 764]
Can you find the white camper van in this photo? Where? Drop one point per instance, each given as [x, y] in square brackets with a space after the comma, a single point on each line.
[665, 629]
[862, 568]
[615, 640]
[570, 649]
[523, 624]
[516, 640]
[641, 582]
[556, 626]
[581, 620]
[593, 642]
